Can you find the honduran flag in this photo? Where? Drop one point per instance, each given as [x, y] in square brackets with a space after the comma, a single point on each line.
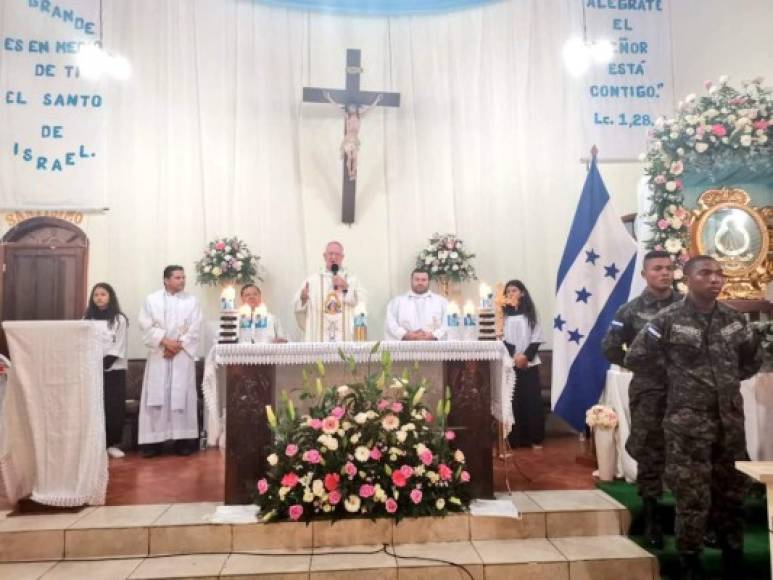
[594, 279]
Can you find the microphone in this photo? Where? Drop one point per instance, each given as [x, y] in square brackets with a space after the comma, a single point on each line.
[334, 269]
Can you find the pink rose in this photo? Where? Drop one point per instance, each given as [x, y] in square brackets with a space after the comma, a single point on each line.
[426, 457]
[391, 506]
[406, 470]
[761, 124]
[397, 407]
[291, 450]
[312, 456]
[262, 486]
[444, 471]
[334, 497]
[465, 476]
[315, 424]
[718, 130]
[660, 179]
[428, 416]
[375, 454]
[416, 496]
[679, 184]
[331, 481]
[350, 469]
[330, 425]
[220, 246]
[383, 404]
[338, 412]
[289, 480]
[663, 224]
[295, 511]
[367, 490]
[450, 435]
[399, 479]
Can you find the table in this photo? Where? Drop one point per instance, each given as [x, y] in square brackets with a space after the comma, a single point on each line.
[479, 375]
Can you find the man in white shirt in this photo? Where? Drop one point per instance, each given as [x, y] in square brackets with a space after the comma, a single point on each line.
[170, 321]
[418, 314]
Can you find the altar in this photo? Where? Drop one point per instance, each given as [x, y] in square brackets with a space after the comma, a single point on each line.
[478, 374]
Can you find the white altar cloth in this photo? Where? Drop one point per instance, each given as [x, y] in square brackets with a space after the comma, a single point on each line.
[306, 353]
[53, 420]
[758, 410]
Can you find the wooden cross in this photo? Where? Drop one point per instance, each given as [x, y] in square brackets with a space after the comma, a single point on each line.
[352, 96]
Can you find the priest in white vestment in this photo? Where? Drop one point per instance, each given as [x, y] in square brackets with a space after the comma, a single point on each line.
[326, 303]
[170, 321]
[417, 315]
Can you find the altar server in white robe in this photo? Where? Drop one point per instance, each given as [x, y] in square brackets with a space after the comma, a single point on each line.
[417, 315]
[326, 303]
[170, 322]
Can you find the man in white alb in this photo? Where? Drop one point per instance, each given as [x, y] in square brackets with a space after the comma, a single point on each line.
[418, 314]
[326, 303]
[170, 321]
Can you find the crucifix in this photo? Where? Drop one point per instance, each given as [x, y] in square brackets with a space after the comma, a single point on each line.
[354, 103]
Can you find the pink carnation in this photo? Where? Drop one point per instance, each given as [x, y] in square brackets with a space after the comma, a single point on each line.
[312, 456]
[262, 486]
[663, 224]
[331, 481]
[220, 246]
[761, 124]
[399, 479]
[397, 407]
[367, 490]
[428, 416]
[406, 470]
[382, 404]
[450, 435]
[660, 179]
[465, 476]
[391, 506]
[350, 469]
[679, 184]
[289, 480]
[295, 511]
[375, 454]
[315, 424]
[718, 130]
[338, 412]
[426, 457]
[444, 471]
[330, 425]
[291, 450]
[416, 496]
[334, 497]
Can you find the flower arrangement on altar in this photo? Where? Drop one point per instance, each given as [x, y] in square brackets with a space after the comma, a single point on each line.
[601, 417]
[708, 133]
[227, 260]
[370, 448]
[446, 257]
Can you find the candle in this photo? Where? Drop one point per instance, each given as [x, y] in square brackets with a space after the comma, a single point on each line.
[486, 296]
[469, 313]
[260, 316]
[245, 311]
[228, 298]
[360, 323]
[453, 314]
[245, 324]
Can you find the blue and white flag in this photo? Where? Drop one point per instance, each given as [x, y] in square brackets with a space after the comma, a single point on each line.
[594, 279]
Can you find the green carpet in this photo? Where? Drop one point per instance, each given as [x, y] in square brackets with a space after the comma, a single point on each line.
[756, 536]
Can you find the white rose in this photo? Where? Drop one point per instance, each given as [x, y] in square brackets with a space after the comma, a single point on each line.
[283, 491]
[673, 245]
[455, 267]
[678, 274]
[360, 418]
[762, 139]
[308, 497]
[440, 504]
[272, 459]
[402, 436]
[318, 488]
[676, 223]
[746, 140]
[216, 271]
[238, 265]
[671, 186]
[372, 414]
[343, 390]
[459, 456]
[355, 438]
[352, 503]
[361, 453]
[207, 269]
[701, 147]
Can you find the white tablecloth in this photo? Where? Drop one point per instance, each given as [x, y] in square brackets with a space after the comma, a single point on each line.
[758, 409]
[53, 420]
[306, 353]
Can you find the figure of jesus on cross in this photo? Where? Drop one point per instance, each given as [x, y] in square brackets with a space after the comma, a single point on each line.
[355, 104]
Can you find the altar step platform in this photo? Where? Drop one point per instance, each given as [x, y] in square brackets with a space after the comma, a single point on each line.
[561, 535]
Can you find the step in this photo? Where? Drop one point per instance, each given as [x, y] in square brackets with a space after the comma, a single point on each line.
[117, 531]
[574, 558]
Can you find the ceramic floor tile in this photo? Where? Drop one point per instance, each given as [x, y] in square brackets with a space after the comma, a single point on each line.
[599, 548]
[452, 528]
[28, 571]
[522, 502]
[36, 545]
[630, 569]
[42, 522]
[282, 535]
[442, 572]
[609, 498]
[590, 523]
[529, 525]
[104, 570]
[197, 566]
[529, 571]
[351, 558]
[98, 542]
[190, 539]
[121, 517]
[352, 532]
[456, 552]
[280, 563]
[187, 514]
[517, 551]
[565, 501]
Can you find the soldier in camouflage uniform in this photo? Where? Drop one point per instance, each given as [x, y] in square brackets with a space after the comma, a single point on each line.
[706, 349]
[647, 391]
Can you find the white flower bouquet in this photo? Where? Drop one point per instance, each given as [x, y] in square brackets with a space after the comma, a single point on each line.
[601, 417]
[446, 257]
[227, 260]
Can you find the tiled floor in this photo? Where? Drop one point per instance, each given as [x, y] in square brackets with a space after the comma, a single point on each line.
[199, 478]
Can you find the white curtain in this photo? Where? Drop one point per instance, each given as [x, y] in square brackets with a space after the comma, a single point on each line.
[209, 137]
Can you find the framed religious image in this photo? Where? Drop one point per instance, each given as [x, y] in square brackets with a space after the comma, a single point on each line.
[737, 235]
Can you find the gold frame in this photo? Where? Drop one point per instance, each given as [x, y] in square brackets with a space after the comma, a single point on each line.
[743, 281]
